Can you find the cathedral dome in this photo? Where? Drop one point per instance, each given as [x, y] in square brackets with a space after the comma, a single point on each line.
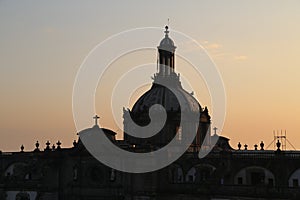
[167, 92]
[159, 94]
[109, 133]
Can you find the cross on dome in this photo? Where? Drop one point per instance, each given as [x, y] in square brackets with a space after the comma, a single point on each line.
[215, 130]
[96, 117]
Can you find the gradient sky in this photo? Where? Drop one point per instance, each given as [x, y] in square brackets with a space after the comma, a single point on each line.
[255, 44]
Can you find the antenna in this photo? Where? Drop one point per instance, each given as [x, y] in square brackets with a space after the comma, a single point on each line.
[168, 22]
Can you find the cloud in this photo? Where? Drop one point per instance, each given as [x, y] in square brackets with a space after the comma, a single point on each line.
[212, 46]
[191, 46]
[214, 49]
[240, 58]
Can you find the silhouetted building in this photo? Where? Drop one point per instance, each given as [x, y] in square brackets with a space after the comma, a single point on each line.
[166, 83]
[53, 172]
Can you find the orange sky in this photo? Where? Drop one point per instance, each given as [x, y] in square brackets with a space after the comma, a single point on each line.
[255, 45]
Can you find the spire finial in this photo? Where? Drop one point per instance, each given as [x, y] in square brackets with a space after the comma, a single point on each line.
[166, 31]
[96, 117]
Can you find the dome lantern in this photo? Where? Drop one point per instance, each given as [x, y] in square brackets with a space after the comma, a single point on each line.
[166, 57]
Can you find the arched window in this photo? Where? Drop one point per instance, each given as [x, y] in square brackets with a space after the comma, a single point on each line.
[175, 174]
[22, 196]
[191, 175]
[294, 179]
[200, 173]
[17, 169]
[254, 175]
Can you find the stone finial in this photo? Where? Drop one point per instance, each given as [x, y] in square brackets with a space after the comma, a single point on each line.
[246, 147]
[37, 144]
[58, 143]
[239, 146]
[74, 143]
[278, 144]
[22, 148]
[255, 147]
[262, 145]
[47, 145]
[166, 30]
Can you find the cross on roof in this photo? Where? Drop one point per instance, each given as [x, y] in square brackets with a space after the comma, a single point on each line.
[96, 117]
[215, 130]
